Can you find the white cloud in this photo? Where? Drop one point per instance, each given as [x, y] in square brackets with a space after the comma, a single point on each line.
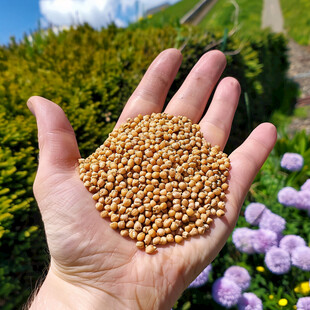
[97, 13]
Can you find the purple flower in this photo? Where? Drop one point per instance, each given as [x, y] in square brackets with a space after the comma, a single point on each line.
[287, 196]
[254, 212]
[278, 260]
[301, 258]
[202, 278]
[264, 240]
[249, 301]
[306, 186]
[239, 275]
[303, 303]
[279, 237]
[242, 239]
[303, 200]
[272, 222]
[292, 161]
[290, 242]
[226, 292]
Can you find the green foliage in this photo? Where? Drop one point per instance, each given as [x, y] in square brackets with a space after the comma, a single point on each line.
[21, 242]
[224, 15]
[91, 74]
[264, 83]
[297, 20]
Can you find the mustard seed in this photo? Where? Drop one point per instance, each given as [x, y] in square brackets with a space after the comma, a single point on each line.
[150, 249]
[157, 180]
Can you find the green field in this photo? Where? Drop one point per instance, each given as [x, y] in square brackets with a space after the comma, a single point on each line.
[172, 14]
[297, 20]
[223, 15]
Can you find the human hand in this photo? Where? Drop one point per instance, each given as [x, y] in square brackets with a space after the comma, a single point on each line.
[92, 266]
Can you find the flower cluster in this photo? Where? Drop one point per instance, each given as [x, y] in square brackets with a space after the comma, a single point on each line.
[278, 260]
[280, 252]
[267, 236]
[290, 197]
[303, 303]
[292, 161]
[258, 214]
[227, 291]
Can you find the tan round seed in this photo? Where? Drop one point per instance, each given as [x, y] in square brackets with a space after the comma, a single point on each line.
[140, 244]
[178, 239]
[150, 249]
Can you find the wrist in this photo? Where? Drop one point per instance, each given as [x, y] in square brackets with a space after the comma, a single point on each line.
[56, 293]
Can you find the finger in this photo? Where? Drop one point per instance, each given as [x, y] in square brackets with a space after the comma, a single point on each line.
[248, 158]
[150, 95]
[216, 124]
[192, 97]
[57, 143]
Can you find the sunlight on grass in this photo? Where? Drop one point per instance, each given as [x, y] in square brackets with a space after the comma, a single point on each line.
[297, 20]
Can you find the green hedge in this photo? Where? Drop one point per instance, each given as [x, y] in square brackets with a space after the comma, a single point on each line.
[91, 74]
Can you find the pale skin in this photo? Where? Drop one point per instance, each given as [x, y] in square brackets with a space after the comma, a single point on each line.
[92, 266]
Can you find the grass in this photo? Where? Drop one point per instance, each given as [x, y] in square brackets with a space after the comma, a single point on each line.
[297, 20]
[222, 16]
[172, 14]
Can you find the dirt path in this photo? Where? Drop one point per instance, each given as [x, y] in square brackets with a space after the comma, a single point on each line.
[272, 16]
[299, 69]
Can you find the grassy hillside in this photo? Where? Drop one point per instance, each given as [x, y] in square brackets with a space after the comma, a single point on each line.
[223, 15]
[297, 20]
[171, 15]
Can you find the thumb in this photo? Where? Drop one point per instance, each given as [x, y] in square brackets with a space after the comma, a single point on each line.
[57, 143]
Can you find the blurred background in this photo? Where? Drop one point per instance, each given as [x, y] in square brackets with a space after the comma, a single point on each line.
[89, 55]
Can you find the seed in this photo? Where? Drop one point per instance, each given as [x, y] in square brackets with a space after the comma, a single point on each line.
[170, 238]
[124, 233]
[220, 213]
[156, 240]
[138, 226]
[163, 240]
[150, 249]
[152, 233]
[104, 214]
[190, 212]
[114, 218]
[141, 236]
[140, 244]
[178, 239]
[114, 225]
[160, 232]
[194, 232]
[133, 234]
[99, 206]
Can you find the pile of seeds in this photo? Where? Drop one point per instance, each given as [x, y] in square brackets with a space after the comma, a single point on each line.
[157, 180]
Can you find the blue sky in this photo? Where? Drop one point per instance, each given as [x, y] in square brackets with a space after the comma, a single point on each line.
[18, 17]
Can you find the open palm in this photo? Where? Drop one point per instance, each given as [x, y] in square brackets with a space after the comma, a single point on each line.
[92, 266]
